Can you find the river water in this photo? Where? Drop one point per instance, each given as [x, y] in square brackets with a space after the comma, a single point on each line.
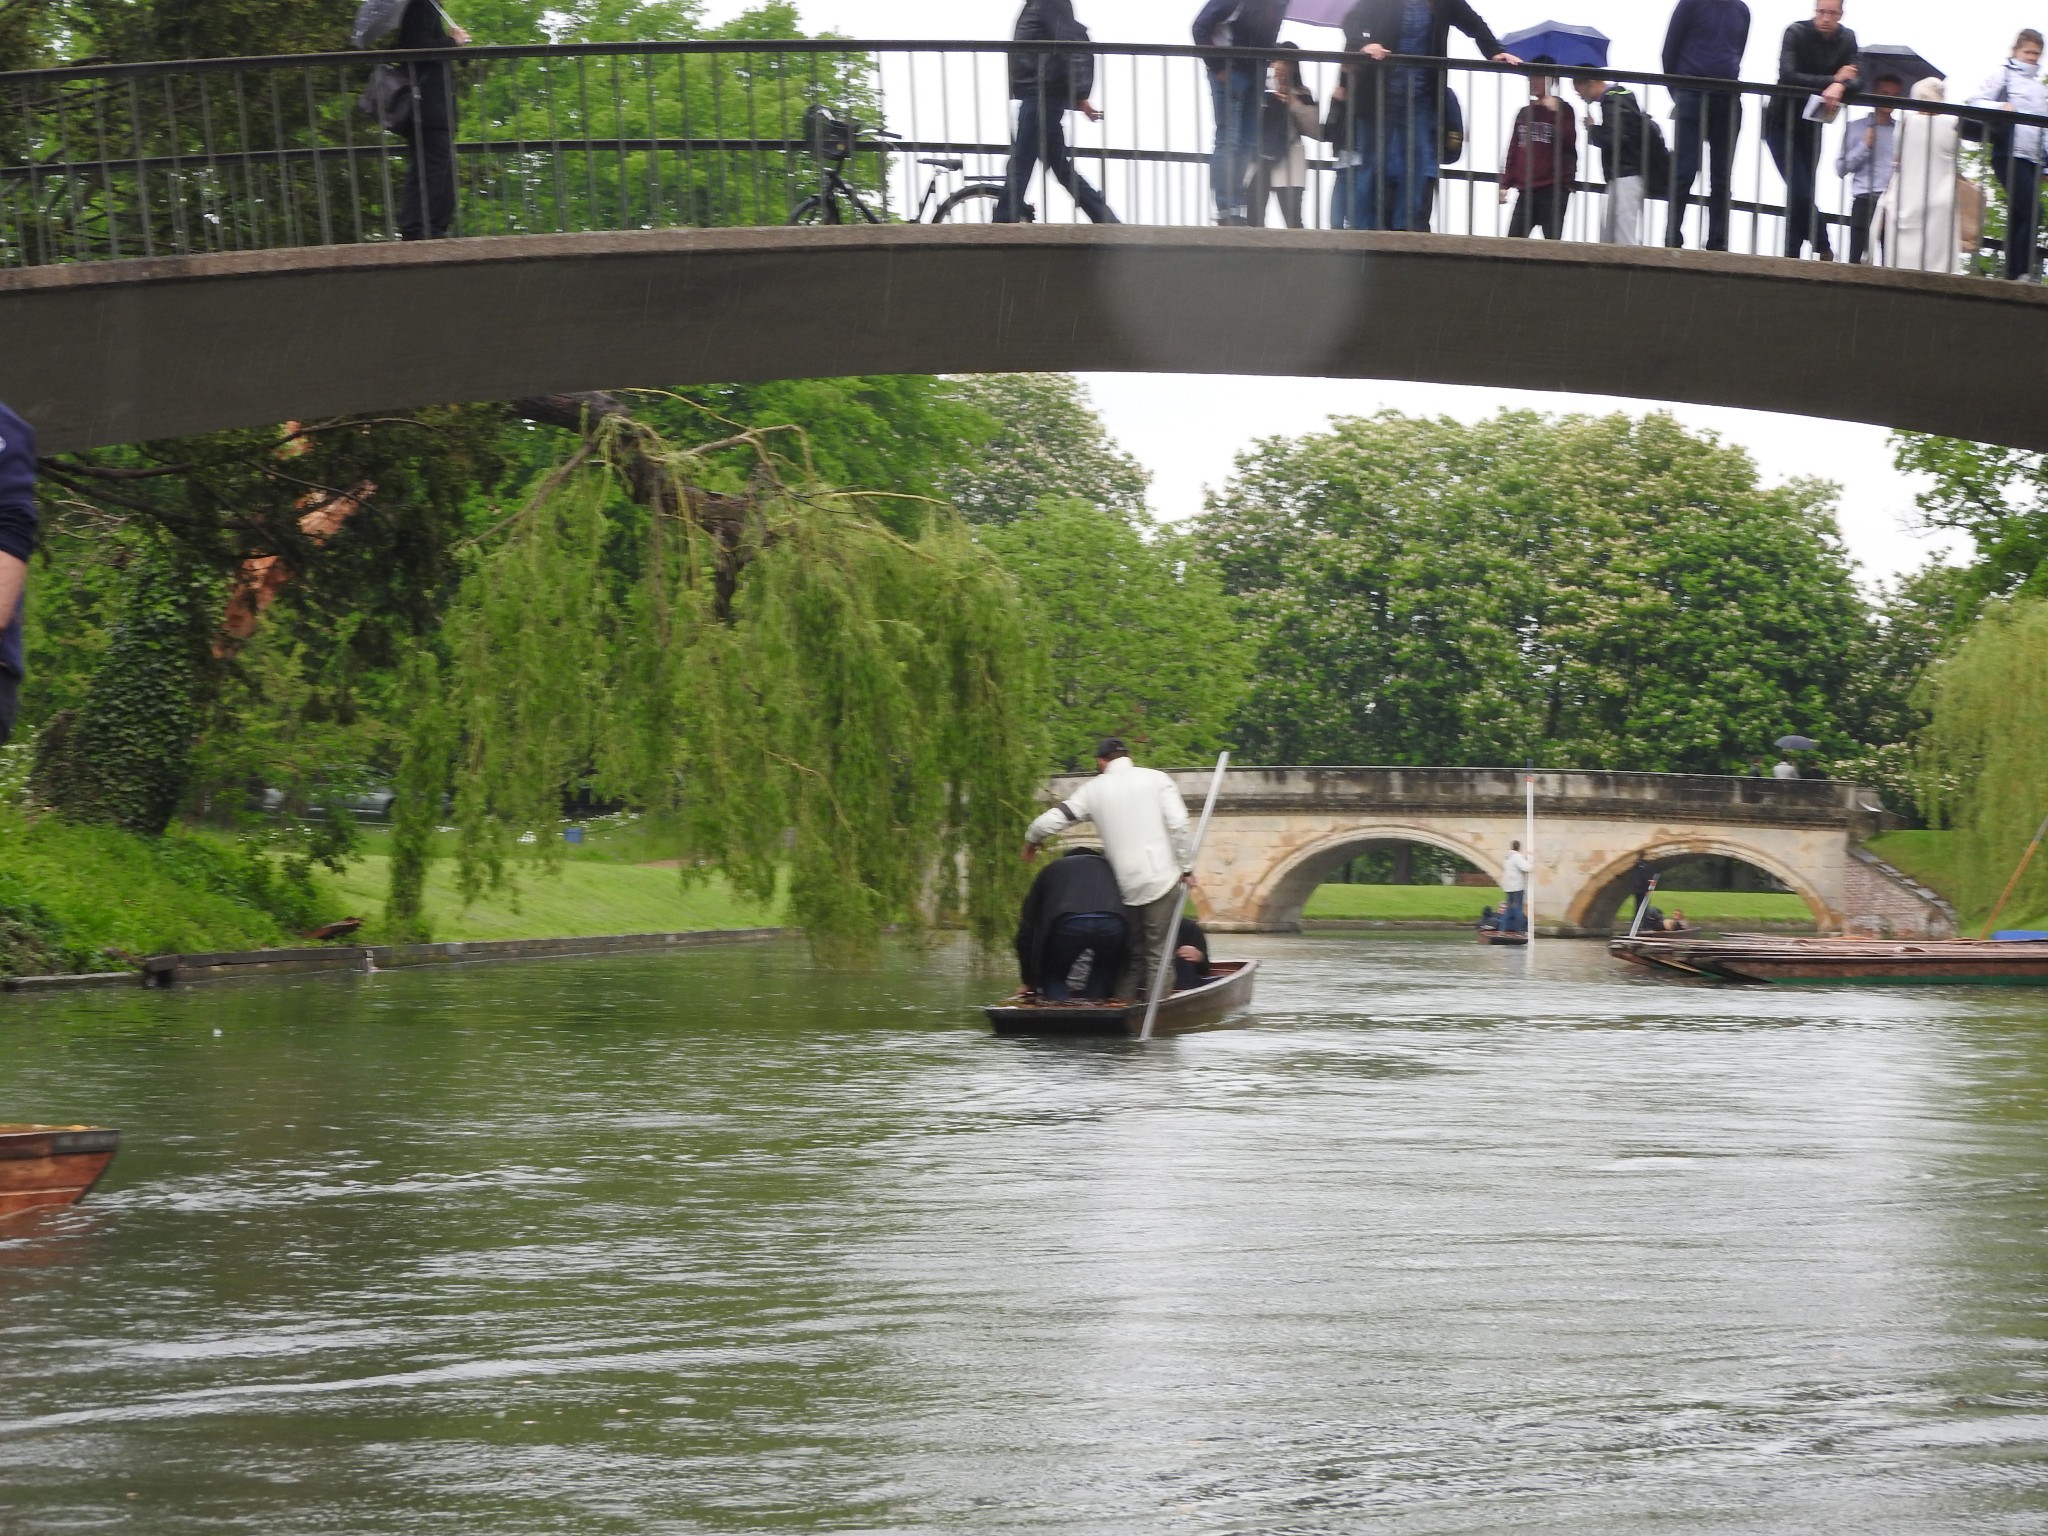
[726, 1242]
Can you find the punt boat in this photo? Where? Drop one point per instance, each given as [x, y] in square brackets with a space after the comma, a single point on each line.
[1843, 961]
[1497, 936]
[1228, 991]
[42, 1166]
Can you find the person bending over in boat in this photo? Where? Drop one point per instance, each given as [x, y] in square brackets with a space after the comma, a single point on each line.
[1074, 909]
[1190, 957]
[1143, 824]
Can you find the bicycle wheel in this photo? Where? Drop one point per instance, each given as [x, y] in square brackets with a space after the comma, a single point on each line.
[968, 199]
[813, 210]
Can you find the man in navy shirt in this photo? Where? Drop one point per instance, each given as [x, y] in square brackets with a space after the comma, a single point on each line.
[1706, 40]
[17, 543]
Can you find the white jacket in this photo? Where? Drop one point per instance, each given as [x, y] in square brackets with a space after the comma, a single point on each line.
[1143, 824]
[1514, 874]
[2020, 85]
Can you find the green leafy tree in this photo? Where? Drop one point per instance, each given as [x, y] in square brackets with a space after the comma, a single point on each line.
[1139, 637]
[1046, 441]
[1996, 497]
[1594, 592]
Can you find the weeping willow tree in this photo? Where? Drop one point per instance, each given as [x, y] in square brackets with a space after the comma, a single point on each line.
[830, 697]
[1984, 757]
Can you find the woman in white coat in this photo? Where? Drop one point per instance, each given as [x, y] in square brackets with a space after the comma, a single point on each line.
[1921, 232]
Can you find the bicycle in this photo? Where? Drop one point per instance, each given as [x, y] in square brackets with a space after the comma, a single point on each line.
[834, 140]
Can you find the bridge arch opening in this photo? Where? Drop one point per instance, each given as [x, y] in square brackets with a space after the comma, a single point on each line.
[1386, 850]
[1692, 866]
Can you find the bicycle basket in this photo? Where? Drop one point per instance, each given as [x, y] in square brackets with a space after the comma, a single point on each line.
[828, 137]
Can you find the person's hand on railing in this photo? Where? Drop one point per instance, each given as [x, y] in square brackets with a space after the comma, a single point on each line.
[1506, 58]
[1090, 111]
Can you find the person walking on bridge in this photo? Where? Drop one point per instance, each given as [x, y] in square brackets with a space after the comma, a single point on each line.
[427, 208]
[1143, 823]
[1705, 41]
[1046, 87]
[1238, 88]
[17, 543]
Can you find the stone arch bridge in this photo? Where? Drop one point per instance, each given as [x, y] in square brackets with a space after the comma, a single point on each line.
[1281, 832]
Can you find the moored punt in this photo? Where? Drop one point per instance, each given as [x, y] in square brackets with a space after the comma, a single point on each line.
[1227, 991]
[1497, 936]
[1844, 961]
[50, 1165]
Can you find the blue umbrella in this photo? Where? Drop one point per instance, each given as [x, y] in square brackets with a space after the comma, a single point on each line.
[1572, 47]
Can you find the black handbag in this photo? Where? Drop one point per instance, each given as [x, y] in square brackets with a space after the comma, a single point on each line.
[388, 98]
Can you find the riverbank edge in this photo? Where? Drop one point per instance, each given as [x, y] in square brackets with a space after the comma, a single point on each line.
[169, 970]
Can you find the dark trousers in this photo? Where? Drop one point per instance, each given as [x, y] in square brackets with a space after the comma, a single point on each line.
[10, 703]
[2023, 217]
[1042, 136]
[1801, 165]
[1101, 935]
[1539, 208]
[427, 210]
[1862, 213]
[1514, 916]
[1262, 189]
[1709, 122]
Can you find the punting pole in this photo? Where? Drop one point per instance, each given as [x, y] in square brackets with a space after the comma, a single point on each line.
[2012, 885]
[1642, 906]
[1173, 929]
[1529, 843]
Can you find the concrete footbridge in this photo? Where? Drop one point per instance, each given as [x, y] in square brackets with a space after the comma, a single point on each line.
[199, 245]
[1281, 832]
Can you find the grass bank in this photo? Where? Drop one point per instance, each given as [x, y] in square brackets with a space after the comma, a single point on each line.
[1935, 859]
[1461, 904]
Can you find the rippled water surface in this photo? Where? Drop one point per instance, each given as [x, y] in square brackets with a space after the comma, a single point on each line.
[724, 1242]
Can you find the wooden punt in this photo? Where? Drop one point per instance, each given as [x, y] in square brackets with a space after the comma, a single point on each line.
[1228, 991]
[42, 1166]
[1511, 940]
[1845, 961]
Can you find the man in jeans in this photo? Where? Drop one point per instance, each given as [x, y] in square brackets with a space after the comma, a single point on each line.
[1046, 86]
[1238, 89]
[1075, 908]
[17, 543]
[1514, 884]
[1143, 823]
[1705, 40]
[2017, 88]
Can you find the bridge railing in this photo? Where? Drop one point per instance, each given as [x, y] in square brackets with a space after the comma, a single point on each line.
[112, 162]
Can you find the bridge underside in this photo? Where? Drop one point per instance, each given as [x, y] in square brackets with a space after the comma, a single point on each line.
[125, 351]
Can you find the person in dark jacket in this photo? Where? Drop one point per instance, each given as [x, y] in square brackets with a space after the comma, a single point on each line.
[1190, 956]
[17, 543]
[1616, 126]
[1074, 908]
[427, 208]
[1389, 122]
[1046, 87]
[1705, 40]
[1543, 161]
[1238, 89]
[1818, 56]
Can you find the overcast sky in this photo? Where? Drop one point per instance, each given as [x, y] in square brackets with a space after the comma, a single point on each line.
[1187, 430]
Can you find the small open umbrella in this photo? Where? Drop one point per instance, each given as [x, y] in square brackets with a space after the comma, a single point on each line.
[1571, 47]
[1320, 13]
[376, 19]
[1881, 59]
[1796, 744]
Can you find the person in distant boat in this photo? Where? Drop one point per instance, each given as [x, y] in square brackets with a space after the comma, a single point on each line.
[1074, 909]
[1676, 922]
[1190, 956]
[1489, 920]
[1514, 884]
[17, 543]
[1143, 824]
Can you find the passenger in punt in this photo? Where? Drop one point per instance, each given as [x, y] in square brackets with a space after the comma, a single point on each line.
[1146, 835]
[1190, 956]
[1074, 909]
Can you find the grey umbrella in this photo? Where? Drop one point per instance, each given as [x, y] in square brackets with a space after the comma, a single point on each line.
[1796, 744]
[376, 20]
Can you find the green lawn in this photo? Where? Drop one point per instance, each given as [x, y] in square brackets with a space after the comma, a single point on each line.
[1933, 858]
[586, 897]
[1461, 903]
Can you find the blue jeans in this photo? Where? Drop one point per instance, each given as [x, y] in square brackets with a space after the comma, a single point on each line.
[1238, 91]
[1042, 135]
[1514, 917]
[1710, 120]
[1396, 142]
[1102, 934]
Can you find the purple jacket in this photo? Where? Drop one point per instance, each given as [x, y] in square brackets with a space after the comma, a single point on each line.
[17, 516]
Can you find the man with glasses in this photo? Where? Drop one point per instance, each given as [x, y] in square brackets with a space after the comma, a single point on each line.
[1819, 57]
[1705, 40]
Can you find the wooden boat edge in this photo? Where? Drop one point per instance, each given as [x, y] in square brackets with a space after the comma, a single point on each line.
[1182, 1013]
